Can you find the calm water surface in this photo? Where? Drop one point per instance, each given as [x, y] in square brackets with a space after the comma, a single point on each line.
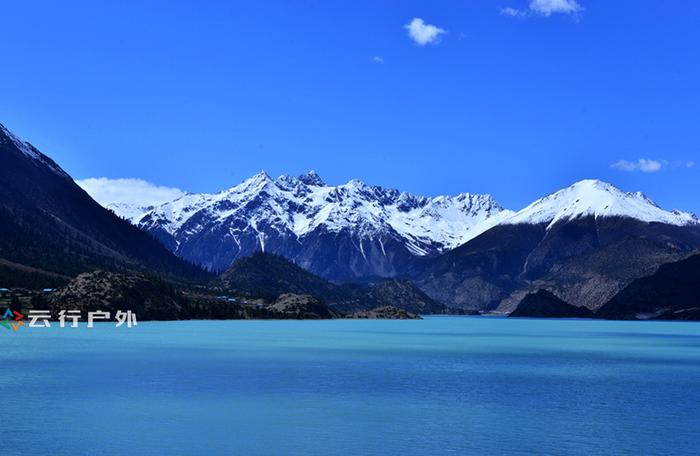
[444, 385]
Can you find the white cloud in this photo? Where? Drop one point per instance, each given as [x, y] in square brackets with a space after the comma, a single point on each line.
[549, 7]
[378, 59]
[545, 8]
[423, 33]
[643, 165]
[137, 192]
[513, 12]
[690, 164]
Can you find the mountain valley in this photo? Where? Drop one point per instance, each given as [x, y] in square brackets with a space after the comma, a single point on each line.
[354, 247]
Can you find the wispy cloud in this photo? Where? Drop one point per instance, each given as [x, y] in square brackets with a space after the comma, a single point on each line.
[129, 191]
[378, 59]
[651, 166]
[643, 165]
[549, 7]
[545, 8]
[423, 33]
[513, 12]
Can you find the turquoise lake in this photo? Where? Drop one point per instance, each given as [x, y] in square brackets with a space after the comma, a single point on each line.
[443, 385]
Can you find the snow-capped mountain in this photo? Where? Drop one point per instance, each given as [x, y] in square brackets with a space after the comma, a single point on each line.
[598, 199]
[584, 243]
[346, 231]
[358, 230]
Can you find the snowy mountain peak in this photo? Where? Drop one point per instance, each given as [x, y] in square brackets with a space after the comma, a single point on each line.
[253, 184]
[312, 178]
[258, 179]
[593, 197]
[354, 183]
[372, 228]
[259, 212]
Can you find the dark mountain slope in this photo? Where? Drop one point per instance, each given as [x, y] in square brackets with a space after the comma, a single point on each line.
[573, 238]
[594, 277]
[584, 261]
[482, 272]
[407, 296]
[49, 223]
[267, 276]
[14, 275]
[673, 288]
[583, 242]
[151, 298]
[543, 304]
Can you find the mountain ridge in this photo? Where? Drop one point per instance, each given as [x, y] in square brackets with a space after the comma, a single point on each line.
[296, 216]
[355, 230]
[583, 243]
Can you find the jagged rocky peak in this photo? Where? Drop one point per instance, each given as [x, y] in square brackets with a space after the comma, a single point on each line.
[471, 202]
[254, 183]
[360, 228]
[300, 183]
[592, 197]
[293, 216]
[312, 178]
[407, 202]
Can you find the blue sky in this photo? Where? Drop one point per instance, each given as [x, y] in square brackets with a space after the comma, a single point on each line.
[509, 97]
